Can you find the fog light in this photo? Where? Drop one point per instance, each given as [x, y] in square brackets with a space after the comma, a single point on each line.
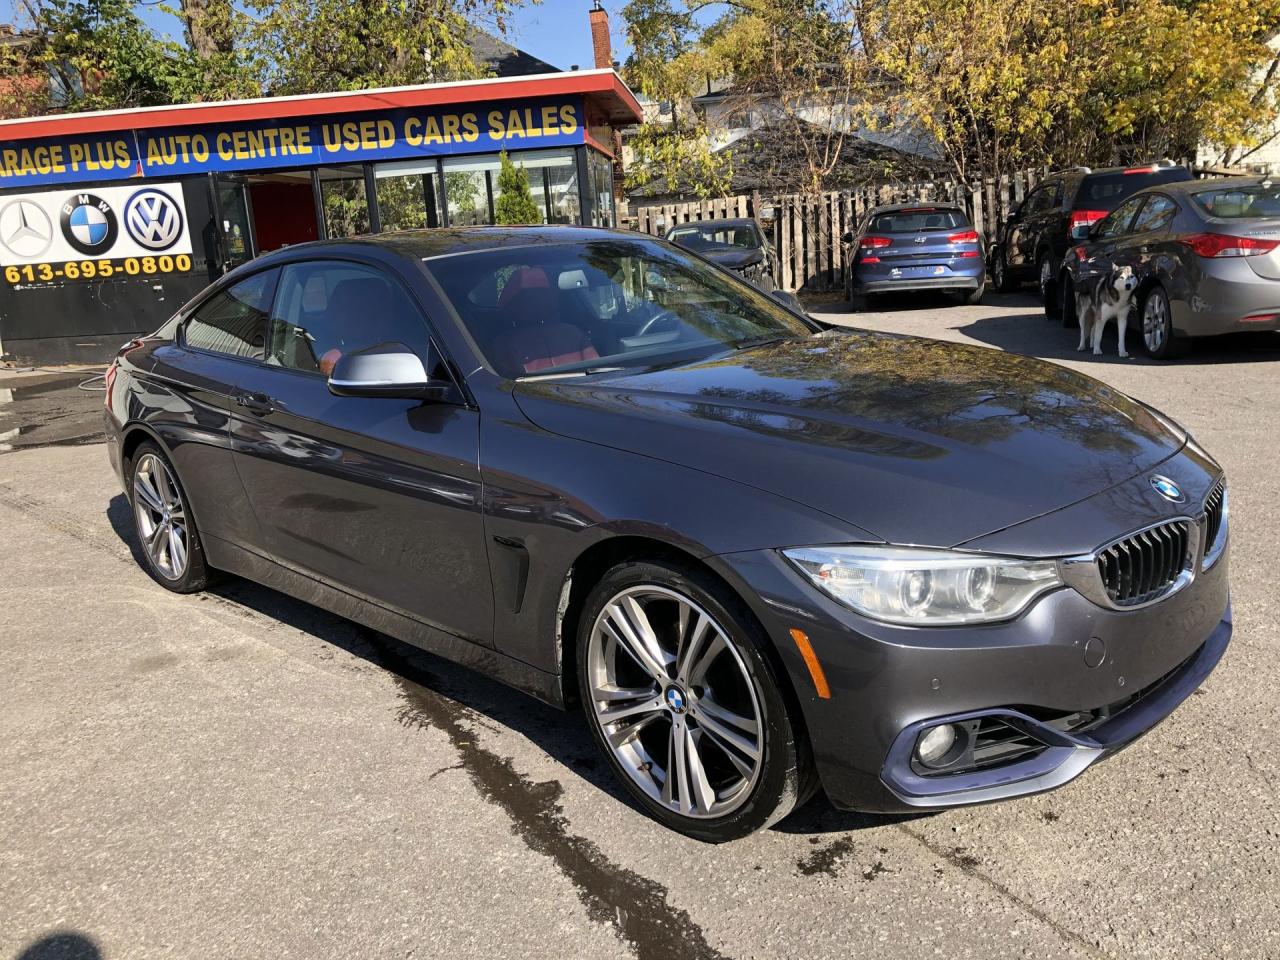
[936, 744]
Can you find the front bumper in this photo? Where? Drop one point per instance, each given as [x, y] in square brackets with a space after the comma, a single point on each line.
[887, 682]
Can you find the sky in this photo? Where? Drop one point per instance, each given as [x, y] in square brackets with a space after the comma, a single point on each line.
[556, 31]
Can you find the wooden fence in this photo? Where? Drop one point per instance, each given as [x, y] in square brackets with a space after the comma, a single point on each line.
[806, 229]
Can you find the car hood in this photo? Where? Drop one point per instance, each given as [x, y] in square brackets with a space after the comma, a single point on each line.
[914, 441]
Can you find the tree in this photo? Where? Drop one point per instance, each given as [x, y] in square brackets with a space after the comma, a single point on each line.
[514, 203]
[307, 46]
[794, 64]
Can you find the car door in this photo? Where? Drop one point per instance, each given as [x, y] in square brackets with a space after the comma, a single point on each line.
[1149, 229]
[1020, 246]
[379, 497]
[189, 394]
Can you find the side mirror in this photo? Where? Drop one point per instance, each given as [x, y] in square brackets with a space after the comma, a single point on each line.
[788, 300]
[385, 370]
[1081, 231]
[847, 237]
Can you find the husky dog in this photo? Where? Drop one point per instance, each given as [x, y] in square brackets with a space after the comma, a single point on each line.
[1110, 299]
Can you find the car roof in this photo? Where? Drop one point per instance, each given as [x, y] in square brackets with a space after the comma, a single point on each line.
[442, 241]
[1210, 183]
[723, 222]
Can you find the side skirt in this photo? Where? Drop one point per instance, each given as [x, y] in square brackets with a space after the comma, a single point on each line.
[223, 555]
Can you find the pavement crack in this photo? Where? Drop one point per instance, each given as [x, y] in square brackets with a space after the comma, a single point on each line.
[636, 907]
[968, 864]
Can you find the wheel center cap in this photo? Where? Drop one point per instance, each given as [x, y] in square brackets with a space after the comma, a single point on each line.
[676, 700]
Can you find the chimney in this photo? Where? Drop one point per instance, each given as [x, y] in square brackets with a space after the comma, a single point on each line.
[600, 36]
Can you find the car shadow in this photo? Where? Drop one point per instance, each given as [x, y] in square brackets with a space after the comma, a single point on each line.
[1033, 334]
[561, 734]
[61, 945]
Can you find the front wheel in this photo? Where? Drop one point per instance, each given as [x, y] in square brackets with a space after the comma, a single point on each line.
[1048, 288]
[1068, 311]
[1158, 339]
[681, 698]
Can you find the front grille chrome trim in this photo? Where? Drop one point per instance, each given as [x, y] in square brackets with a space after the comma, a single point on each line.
[1083, 573]
[1214, 524]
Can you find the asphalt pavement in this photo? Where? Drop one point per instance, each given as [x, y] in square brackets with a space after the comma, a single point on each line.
[237, 774]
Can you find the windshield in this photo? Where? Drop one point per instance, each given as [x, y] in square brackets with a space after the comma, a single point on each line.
[1232, 203]
[607, 303]
[696, 237]
[917, 220]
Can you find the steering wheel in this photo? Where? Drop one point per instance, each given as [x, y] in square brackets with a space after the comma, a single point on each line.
[665, 316]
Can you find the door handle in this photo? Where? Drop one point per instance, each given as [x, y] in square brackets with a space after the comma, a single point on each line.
[257, 403]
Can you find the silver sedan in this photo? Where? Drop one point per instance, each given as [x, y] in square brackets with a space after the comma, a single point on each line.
[1206, 253]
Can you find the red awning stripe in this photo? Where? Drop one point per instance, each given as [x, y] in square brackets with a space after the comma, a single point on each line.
[604, 88]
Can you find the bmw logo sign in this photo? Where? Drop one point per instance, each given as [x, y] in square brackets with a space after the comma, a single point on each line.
[153, 219]
[1167, 489]
[675, 699]
[89, 224]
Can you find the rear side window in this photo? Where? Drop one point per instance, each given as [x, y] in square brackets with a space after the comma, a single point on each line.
[732, 236]
[917, 220]
[1105, 191]
[1233, 203]
[328, 308]
[234, 321]
[1156, 215]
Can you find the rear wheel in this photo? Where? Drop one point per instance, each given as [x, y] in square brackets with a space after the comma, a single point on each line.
[686, 707]
[974, 297]
[166, 530]
[1158, 338]
[1000, 272]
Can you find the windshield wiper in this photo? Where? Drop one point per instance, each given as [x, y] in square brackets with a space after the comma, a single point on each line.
[750, 342]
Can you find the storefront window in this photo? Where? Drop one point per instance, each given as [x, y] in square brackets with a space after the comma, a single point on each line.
[552, 174]
[601, 171]
[562, 184]
[467, 190]
[346, 206]
[407, 195]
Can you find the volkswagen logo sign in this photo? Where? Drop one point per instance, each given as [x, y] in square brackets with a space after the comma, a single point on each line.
[25, 229]
[1167, 489]
[89, 224]
[153, 219]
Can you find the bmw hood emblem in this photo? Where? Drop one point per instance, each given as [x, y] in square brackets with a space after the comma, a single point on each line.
[1167, 489]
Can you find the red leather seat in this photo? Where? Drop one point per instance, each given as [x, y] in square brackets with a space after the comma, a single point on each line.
[539, 339]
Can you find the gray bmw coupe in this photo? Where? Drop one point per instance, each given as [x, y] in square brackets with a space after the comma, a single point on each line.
[764, 557]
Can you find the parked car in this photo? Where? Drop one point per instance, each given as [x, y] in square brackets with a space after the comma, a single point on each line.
[1036, 235]
[902, 247]
[1206, 255]
[761, 555]
[738, 245]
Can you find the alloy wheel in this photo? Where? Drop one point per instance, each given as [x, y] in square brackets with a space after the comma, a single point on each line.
[675, 701]
[1155, 315]
[161, 517]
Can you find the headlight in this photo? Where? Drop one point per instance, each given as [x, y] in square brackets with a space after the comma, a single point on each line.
[933, 588]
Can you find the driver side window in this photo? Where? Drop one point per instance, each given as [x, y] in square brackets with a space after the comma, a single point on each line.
[329, 308]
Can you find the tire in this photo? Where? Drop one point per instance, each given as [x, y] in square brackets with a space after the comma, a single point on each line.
[1048, 287]
[974, 297]
[1000, 281]
[1067, 302]
[736, 781]
[167, 534]
[1156, 323]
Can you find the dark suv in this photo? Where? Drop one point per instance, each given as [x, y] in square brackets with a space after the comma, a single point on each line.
[1037, 233]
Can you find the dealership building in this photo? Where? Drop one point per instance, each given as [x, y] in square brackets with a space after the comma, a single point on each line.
[110, 221]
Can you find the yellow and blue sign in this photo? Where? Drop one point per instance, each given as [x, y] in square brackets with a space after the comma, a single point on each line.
[303, 142]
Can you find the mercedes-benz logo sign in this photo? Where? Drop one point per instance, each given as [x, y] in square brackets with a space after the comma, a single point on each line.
[153, 219]
[25, 229]
[89, 223]
[1167, 489]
